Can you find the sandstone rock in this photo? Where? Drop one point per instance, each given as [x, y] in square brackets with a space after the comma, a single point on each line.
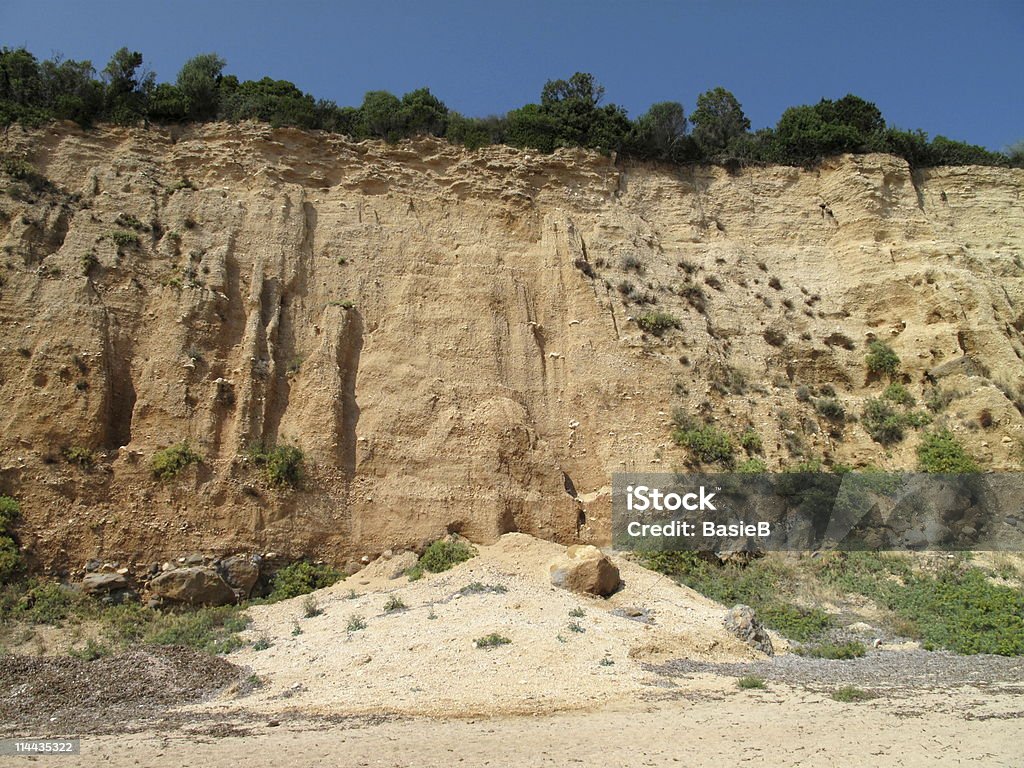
[240, 572]
[742, 622]
[584, 568]
[197, 585]
[102, 583]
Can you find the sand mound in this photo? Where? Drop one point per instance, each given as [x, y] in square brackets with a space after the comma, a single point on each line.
[423, 660]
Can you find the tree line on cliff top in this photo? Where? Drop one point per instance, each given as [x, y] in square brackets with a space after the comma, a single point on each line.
[570, 113]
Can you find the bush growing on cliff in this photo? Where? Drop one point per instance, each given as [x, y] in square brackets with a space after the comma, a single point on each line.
[441, 555]
[282, 465]
[657, 323]
[882, 360]
[10, 557]
[706, 444]
[941, 452]
[168, 462]
[301, 578]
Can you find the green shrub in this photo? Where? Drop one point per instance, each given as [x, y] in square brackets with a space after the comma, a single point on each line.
[442, 555]
[124, 238]
[794, 622]
[130, 222]
[751, 682]
[83, 457]
[750, 441]
[706, 444]
[9, 510]
[169, 461]
[93, 650]
[262, 643]
[899, 394]
[575, 626]
[752, 467]
[632, 264]
[10, 556]
[88, 262]
[212, 630]
[310, 607]
[301, 578]
[850, 693]
[393, 604]
[657, 322]
[356, 623]
[845, 651]
[882, 360]
[882, 422]
[941, 452]
[830, 408]
[282, 465]
[40, 602]
[492, 640]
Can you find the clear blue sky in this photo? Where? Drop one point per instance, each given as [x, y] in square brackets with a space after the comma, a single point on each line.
[950, 68]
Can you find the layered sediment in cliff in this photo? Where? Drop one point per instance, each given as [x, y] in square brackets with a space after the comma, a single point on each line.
[451, 336]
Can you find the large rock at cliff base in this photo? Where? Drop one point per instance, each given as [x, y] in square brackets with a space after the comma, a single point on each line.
[240, 572]
[584, 568]
[103, 583]
[200, 585]
[742, 622]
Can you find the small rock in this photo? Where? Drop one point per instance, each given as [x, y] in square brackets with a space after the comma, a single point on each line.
[741, 621]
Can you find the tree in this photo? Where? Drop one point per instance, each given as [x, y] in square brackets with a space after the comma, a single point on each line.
[580, 91]
[717, 121]
[278, 102]
[71, 90]
[127, 89]
[530, 126]
[423, 113]
[381, 115]
[1015, 153]
[199, 83]
[861, 115]
[660, 133]
[569, 116]
[167, 104]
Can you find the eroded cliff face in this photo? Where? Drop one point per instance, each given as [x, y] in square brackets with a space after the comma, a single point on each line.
[448, 334]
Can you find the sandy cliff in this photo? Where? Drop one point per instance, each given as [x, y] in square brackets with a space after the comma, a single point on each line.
[488, 375]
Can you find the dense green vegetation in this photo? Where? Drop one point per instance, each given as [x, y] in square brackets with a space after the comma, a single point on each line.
[758, 585]
[953, 605]
[941, 452]
[281, 465]
[10, 557]
[957, 607]
[301, 578]
[168, 462]
[570, 113]
[213, 630]
[440, 556]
